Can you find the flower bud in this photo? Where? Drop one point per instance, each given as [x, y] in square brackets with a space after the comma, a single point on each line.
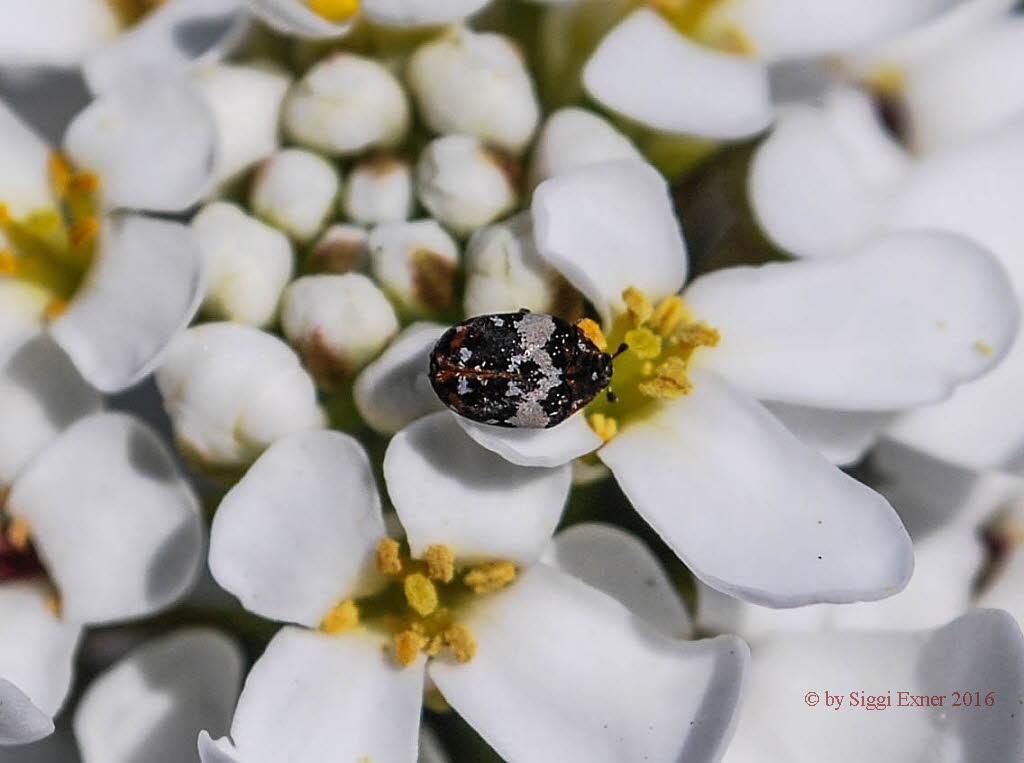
[475, 84]
[245, 101]
[415, 263]
[341, 249]
[247, 264]
[378, 190]
[504, 272]
[345, 105]
[574, 137]
[337, 323]
[463, 184]
[232, 390]
[294, 190]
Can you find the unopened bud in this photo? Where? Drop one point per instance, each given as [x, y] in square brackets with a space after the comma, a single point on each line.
[415, 263]
[295, 190]
[340, 249]
[378, 190]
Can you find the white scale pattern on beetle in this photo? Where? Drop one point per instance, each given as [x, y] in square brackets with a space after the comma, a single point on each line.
[534, 333]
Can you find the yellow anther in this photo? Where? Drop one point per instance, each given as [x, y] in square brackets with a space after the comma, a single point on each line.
[388, 560]
[8, 263]
[698, 335]
[408, 644]
[55, 308]
[639, 307]
[420, 593]
[84, 231]
[54, 604]
[732, 39]
[983, 347]
[17, 533]
[84, 183]
[643, 343]
[593, 332]
[604, 427]
[60, 175]
[343, 617]
[668, 314]
[5, 215]
[461, 642]
[335, 11]
[490, 577]
[669, 382]
[440, 562]
[647, 368]
[888, 80]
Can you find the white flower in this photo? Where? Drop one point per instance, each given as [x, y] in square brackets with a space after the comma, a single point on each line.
[544, 634]
[750, 509]
[346, 104]
[379, 190]
[463, 184]
[476, 84]
[415, 264]
[231, 390]
[982, 652]
[573, 137]
[247, 263]
[153, 702]
[120, 285]
[337, 324]
[333, 18]
[295, 190]
[504, 272]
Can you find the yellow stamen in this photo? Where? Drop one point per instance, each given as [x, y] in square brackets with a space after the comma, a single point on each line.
[593, 332]
[420, 594]
[888, 80]
[343, 617]
[643, 342]
[54, 604]
[490, 577]
[440, 562]
[17, 533]
[667, 315]
[670, 380]
[983, 347]
[639, 307]
[8, 263]
[604, 427]
[335, 11]
[408, 644]
[55, 308]
[461, 642]
[83, 231]
[60, 175]
[84, 183]
[698, 335]
[388, 560]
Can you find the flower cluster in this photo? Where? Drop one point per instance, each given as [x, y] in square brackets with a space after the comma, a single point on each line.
[247, 514]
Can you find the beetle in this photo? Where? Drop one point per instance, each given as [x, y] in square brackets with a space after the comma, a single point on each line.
[522, 369]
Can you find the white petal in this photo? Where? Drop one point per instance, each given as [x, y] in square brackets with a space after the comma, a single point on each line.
[420, 12]
[649, 72]
[565, 673]
[297, 535]
[843, 437]
[900, 322]
[36, 653]
[822, 181]
[152, 141]
[151, 704]
[431, 750]
[802, 28]
[24, 155]
[555, 446]
[610, 226]
[1006, 591]
[622, 566]
[143, 289]
[574, 137]
[318, 697]
[447, 489]
[983, 650]
[116, 524]
[752, 510]
[293, 17]
[394, 390]
[216, 750]
[171, 39]
[30, 35]
[41, 393]
[22, 312]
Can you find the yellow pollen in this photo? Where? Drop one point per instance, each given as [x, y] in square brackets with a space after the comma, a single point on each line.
[55, 309]
[670, 380]
[60, 175]
[593, 332]
[440, 562]
[647, 368]
[983, 347]
[698, 335]
[8, 263]
[420, 593]
[17, 533]
[343, 617]
[667, 315]
[461, 642]
[639, 307]
[490, 577]
[408, 644]
[644, 343]
[5, 215]
[83, 231]
[388, 560]
[604, 427]
[84, 183]
[335, 11]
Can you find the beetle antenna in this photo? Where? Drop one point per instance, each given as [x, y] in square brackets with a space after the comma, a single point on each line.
[523, 310]
[612, 397]
[622, 348]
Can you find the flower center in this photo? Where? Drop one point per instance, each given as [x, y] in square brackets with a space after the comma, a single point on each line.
[660, 341]
[699, 20]
[417, 608]
[335, 11]
[18, 559]
[53, 248]
[130, 12]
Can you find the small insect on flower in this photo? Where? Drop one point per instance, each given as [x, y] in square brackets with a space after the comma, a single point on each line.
[518, 369]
